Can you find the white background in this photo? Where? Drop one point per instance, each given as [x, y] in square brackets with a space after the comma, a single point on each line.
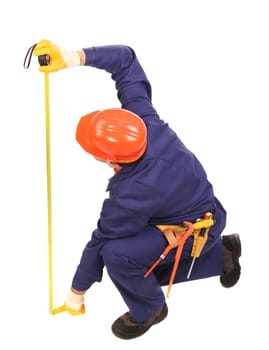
[208, 65]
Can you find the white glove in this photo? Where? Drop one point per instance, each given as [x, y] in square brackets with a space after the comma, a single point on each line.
[74, 301]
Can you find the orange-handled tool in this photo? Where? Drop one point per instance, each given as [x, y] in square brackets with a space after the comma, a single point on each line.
[181, 239]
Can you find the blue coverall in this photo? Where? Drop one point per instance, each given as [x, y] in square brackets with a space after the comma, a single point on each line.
[167, 186]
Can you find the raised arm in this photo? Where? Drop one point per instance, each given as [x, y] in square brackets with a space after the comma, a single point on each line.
[133, 87]
[134, 90]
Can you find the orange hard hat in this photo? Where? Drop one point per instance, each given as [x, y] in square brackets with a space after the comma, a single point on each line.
[114, 134]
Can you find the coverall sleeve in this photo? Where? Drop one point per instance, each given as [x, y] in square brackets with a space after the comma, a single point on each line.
[122, 216]
[133, 87]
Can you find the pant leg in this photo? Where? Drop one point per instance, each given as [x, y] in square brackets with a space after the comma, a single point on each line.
[126, 261]
[210, 262]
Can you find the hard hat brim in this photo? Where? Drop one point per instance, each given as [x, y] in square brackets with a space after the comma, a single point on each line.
[81, 136]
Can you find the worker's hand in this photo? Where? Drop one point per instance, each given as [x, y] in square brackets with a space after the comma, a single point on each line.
[59, 58]
[74, 304]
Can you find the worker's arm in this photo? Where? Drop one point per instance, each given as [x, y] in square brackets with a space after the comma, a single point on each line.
[134, 90]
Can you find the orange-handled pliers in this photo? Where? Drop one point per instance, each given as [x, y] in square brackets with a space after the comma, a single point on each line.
[180, 241]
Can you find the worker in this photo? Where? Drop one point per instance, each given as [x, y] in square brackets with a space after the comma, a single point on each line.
[157, 182]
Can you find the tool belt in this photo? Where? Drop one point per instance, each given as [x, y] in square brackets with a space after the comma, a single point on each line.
[177, 235]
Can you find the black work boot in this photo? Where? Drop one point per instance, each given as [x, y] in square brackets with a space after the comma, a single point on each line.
[124, 328]
[232, 252]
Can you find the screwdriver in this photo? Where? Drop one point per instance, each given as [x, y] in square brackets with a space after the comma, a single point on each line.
[200, 238]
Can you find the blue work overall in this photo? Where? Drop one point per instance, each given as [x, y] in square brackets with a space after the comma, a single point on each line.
[167, 186]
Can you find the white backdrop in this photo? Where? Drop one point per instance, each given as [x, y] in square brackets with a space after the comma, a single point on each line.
[208, 65]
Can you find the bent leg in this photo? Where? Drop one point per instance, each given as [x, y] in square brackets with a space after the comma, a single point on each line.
[209, 264]
[126, 261]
